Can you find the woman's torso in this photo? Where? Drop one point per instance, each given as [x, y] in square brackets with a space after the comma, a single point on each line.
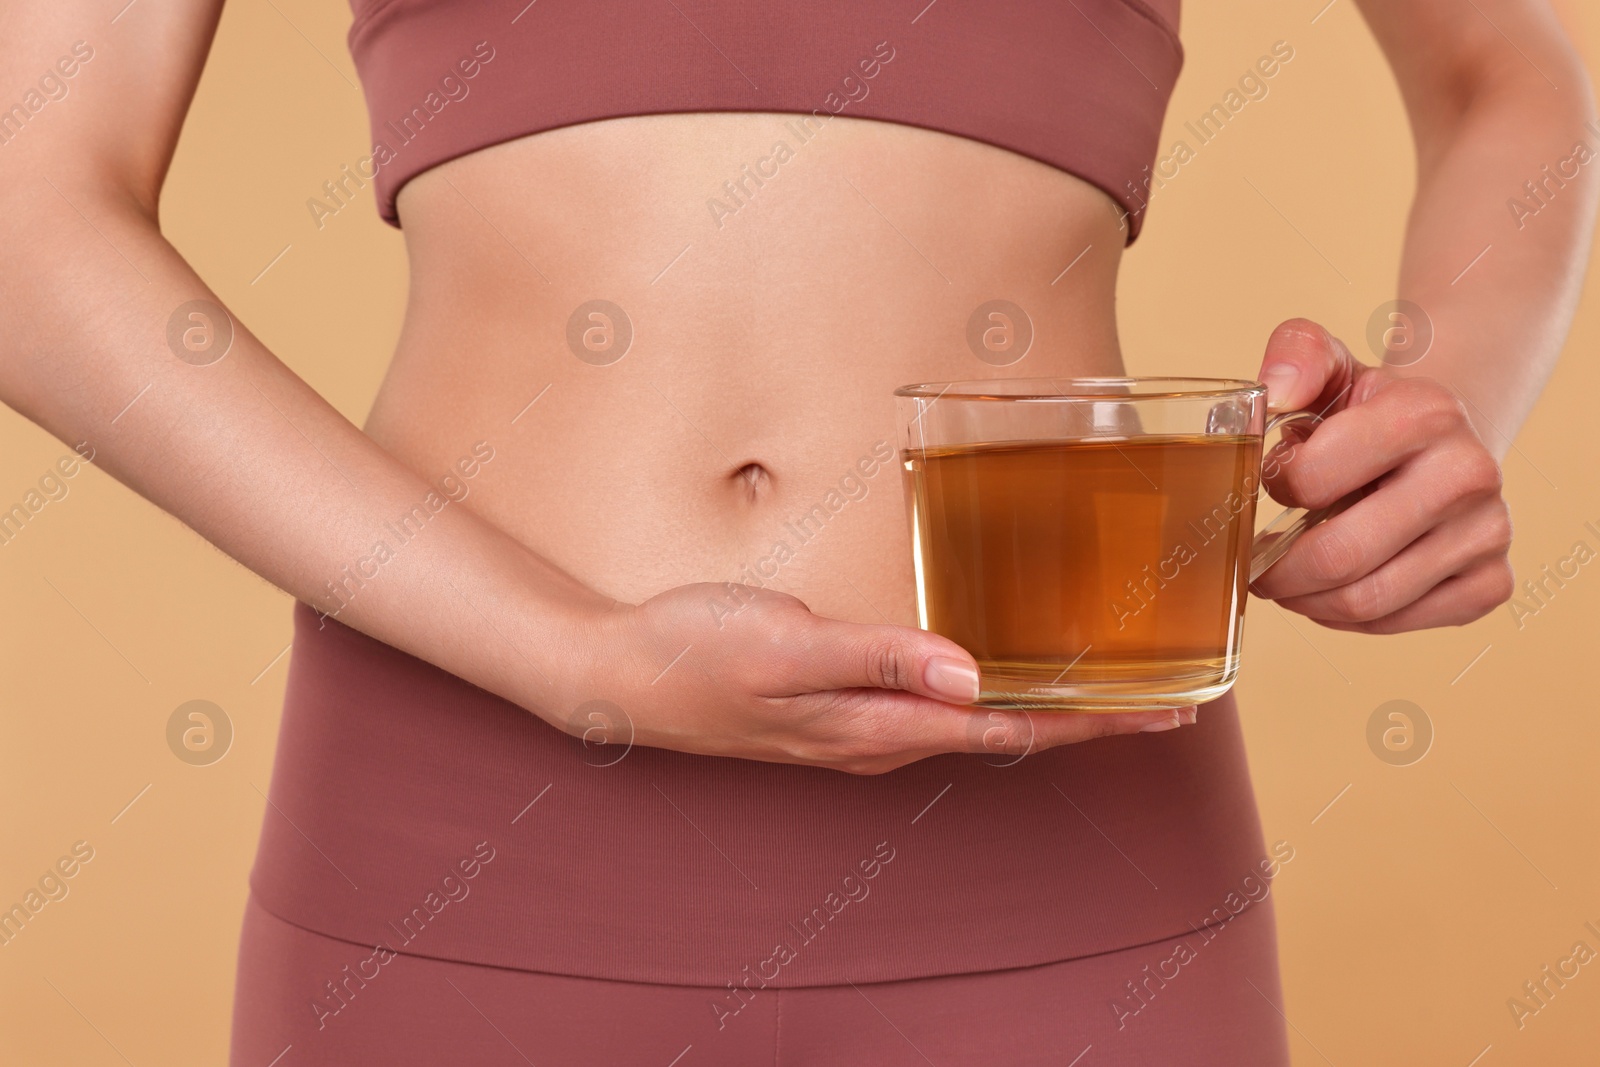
[752, 408]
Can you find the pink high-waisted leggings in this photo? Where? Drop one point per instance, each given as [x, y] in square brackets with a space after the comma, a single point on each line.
[539, 900]
[1213, 1003]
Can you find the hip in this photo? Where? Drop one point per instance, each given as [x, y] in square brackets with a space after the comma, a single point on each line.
[413, 810]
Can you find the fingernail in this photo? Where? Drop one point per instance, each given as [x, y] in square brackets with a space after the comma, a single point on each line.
[951, 680]
[1188, 715]
[1279, 379]
[1165, 724]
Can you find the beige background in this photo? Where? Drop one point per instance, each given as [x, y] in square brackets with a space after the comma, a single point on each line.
[1416, 904]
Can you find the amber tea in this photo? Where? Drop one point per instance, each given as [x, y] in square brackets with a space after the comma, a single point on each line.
[1098, 562]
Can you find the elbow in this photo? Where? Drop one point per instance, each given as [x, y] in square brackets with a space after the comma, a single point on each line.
[1545, 86]
[68, 249]
[1546, 73]
[1572, 99]
[1567, 119]
[50, 197]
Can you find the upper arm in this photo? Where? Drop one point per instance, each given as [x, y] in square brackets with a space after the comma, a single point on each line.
[95, 93]
[1446, 53]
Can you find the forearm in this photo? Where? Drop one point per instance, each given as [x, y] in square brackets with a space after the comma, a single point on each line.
[1500, 286]
[249, 456]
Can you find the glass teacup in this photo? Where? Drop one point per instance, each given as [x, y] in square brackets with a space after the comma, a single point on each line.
[1090, 540]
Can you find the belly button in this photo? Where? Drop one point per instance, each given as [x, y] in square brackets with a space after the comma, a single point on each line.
[752, 480]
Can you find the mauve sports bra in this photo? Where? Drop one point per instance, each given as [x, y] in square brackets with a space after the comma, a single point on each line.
[1079, 84]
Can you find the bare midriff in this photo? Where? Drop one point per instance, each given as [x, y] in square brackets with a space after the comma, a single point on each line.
[770, 324]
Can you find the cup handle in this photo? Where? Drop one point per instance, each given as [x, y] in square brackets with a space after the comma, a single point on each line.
[1284, 530]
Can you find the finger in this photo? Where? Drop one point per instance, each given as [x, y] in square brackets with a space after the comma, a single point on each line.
[1455, 601]
[849, 670]
[828, 654]
[875, 730]
[1306, 368]
[1403, 418]
[1459, 546]
[1414, 500]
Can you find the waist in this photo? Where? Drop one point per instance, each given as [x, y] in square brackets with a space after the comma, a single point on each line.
[414, 811]
[678, 341]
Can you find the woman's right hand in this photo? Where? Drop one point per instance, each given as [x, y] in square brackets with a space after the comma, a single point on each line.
[732, 670]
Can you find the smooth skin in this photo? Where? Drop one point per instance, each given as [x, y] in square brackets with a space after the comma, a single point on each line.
[582, 565]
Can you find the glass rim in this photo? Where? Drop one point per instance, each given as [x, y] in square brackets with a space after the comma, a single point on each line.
[1078, 389]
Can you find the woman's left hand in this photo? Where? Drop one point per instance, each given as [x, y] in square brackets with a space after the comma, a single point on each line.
[1426, 544]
